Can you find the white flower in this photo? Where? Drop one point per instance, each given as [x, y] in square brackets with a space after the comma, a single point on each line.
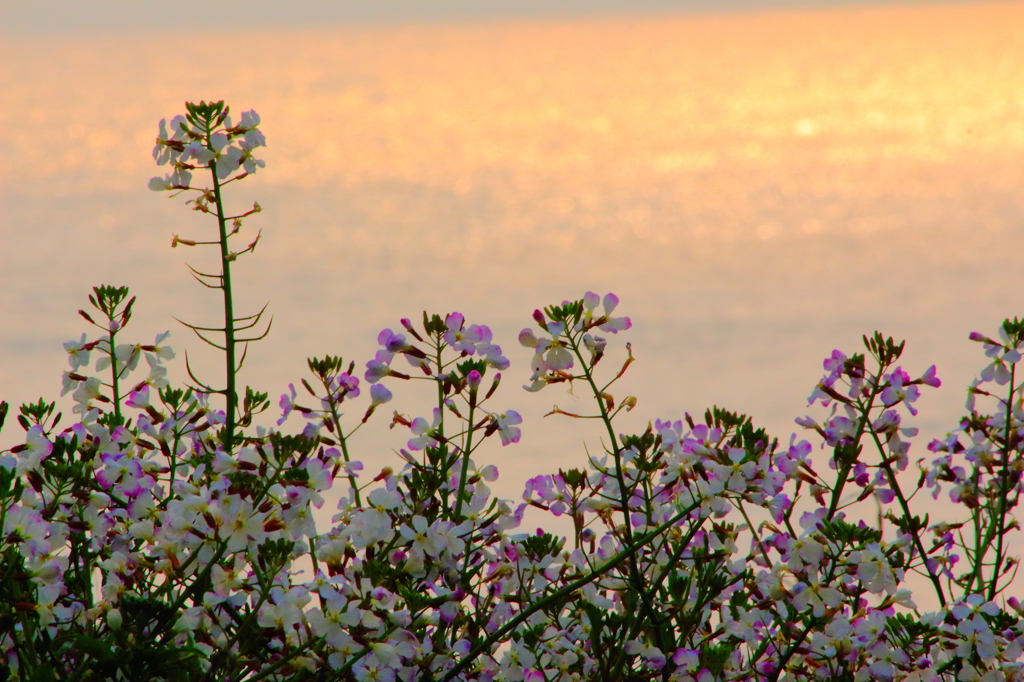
[77, 356]
[873, 569]
[87, 391]
[817, 596]
[427, 539]
[161, 184]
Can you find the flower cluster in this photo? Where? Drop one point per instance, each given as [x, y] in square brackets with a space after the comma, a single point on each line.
[552, 356]
[194, 141]
[164, 536]
[820, 594]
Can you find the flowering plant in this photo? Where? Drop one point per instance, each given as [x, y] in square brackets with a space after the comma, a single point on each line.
[165, 536]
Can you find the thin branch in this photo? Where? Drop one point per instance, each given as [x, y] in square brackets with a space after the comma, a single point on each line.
[197, 333]
[245, 352]
[195, 327]
[256, 315]
[208, 286]
[261, 336]
[558, 410]
[248, 326]
[204, 274]
[199, 384]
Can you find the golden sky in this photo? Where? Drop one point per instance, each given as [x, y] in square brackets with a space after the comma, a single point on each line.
[757, 188]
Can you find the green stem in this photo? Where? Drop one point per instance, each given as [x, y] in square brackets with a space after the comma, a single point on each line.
[465, 461]
[845, 467]
[241, 627]
[908, 518]
[757, 536]
[115, 385]
[230, 392]
[309, 644]
[343, 440]
[980, 546]
[1000, 526]
[785, 658]
[634, 570]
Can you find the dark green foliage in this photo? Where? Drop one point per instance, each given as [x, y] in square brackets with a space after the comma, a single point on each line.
[847, 535]
[536, 547]
[883, 348]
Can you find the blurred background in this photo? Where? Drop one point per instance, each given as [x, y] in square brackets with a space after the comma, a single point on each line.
[759, 182]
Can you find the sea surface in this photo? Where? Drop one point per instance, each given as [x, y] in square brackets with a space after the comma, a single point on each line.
[758, 189]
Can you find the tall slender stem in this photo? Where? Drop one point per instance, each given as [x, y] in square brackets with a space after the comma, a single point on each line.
[465, 463]
[115, 371]
[999, 527]
[845, 467]
[894, 485]
[634, 569]
[343, 441]
[230, 392]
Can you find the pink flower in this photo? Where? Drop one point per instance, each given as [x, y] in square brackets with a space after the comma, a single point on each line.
[548, 489]
[234, 157]
[612, 325]
[834, 363]
[463, 340]
[379, 394]
[929, 378]
[287, 404]
[651, 654]
[558, 357]
[426, 539]
[139, 399]
[528, 339]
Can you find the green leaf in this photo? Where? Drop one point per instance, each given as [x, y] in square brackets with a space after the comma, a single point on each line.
[467, 366]
[714, 657]
[43, 673]
[539, 546]
[848, 535]
[96, 648]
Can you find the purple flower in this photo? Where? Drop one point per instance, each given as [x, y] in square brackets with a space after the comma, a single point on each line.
[423, 431]
[347, 385]
[834, 364]
[929, 378]
[287, 404]
[392, 343]
[376, 370]
[491, 354]
[900, 389]
[463, 340]
[379, 394]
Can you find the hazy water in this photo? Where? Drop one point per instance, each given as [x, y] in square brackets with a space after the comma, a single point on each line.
[757, 189]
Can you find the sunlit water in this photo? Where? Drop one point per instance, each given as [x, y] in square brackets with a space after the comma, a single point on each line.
[758, 190]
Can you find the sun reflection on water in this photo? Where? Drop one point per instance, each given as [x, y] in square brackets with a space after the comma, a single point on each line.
[757, 188]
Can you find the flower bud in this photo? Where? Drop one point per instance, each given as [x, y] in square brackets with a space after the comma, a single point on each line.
[114, 619]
